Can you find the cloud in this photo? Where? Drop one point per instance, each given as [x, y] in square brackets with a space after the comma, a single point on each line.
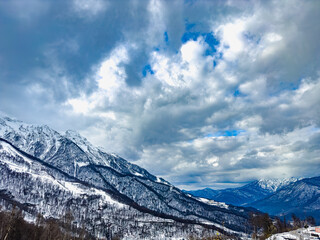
[257, 78]
[232, 42]
[165, 119]
[111, 75]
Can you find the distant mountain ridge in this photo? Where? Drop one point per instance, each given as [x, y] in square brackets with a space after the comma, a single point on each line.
[280, 197]
[246, 194]
[301, 197]
[49, 172]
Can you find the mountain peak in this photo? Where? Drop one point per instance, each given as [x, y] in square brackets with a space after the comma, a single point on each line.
[74, 135]
[7, 117]
[273, 185]
[9, 121]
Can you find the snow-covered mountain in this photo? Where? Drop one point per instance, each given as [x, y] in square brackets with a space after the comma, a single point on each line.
[246, 194]
[46, 172]
[280, 197]
[272, 185]
[301, 197]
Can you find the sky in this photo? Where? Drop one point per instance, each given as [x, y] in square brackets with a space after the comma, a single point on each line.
[202, 93]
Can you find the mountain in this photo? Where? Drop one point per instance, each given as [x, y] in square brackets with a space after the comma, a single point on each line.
[207, 193]
[246, 194]
[301, 198]
[280, 197]
[43, 171]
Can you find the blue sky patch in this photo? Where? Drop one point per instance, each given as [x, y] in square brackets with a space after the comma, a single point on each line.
[238, 93]
[187, 36]
[290, 85]
[208, 38]
[147, 69]
[212, 42]
[225, 133]
[166, 37]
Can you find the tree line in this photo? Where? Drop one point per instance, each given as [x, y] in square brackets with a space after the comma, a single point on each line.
[14, 227]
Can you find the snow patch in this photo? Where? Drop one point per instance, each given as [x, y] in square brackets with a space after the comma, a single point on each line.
[301, 233]
[82, 164]
[138, 174]
[213, 203]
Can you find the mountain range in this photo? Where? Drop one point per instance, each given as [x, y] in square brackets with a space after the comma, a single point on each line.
[281, 197]
[49, 173]
[301, 197]
[246, 194]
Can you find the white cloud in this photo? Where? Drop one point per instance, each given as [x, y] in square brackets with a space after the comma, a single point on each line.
[256, 89]
[232, 39]
[79, 105]
[111, 75]
[214, 161]
[157, 25]
[273, 37]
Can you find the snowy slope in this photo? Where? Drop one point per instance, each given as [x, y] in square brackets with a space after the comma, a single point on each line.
[75, 159]
[301, 233]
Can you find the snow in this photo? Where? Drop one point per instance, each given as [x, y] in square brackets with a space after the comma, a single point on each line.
[107, 198]
[221, 227]
[76, 188]
[138, 174]
[7, 148]
[82, 164]
[275, 184]
[87, 147]
[25, 136]
[283, 237]
[159, 180]
[214, 203]
[301, 233]
[78, 139]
